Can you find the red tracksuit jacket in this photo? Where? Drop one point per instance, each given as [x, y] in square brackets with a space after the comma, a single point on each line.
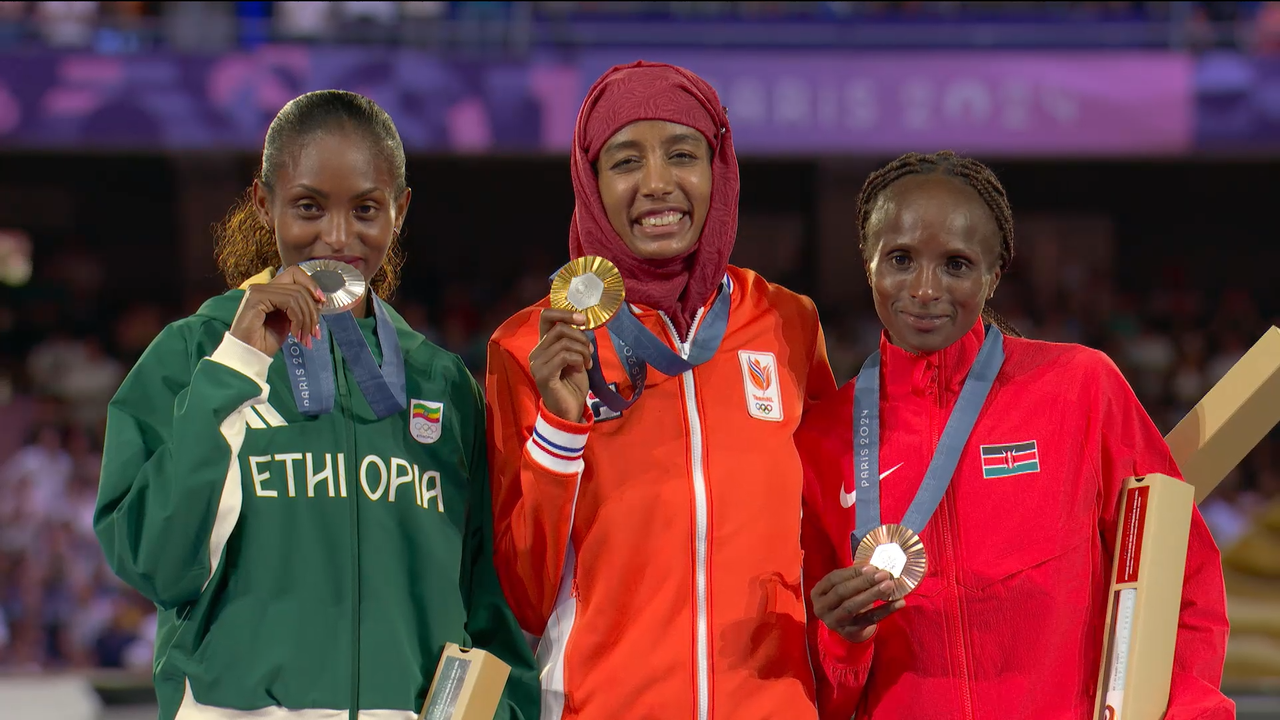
[1008, 621]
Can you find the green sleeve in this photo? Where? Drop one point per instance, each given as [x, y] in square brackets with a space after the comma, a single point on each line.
[490, 622]
[170, 494]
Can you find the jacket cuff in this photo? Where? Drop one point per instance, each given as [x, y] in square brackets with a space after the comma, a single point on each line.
[839, 654]
[557, 444]
[243, 358]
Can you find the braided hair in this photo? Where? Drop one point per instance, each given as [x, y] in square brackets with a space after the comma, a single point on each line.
[966, 170]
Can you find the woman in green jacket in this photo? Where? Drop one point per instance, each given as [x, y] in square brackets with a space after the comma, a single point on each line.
[303, 495]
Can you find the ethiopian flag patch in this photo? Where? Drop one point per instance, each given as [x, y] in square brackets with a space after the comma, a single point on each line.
[1013, 459]
[425, 419]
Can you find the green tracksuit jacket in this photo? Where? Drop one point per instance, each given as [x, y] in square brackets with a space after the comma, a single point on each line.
[312, 565]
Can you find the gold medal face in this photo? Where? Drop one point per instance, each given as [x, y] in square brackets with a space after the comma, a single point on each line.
[898, 551]
[589, 285]
[343, 285]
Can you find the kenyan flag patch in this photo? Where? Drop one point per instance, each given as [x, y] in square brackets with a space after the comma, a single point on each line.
[1014, 459]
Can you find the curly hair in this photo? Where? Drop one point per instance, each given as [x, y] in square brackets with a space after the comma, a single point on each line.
[966, 170]
[244, 245]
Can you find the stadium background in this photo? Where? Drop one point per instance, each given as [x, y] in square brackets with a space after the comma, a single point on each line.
[1138, 142]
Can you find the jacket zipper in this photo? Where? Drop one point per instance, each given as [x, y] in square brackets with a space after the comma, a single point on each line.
[966, 699]
[700, 531]
[352, 501]
[966, 695]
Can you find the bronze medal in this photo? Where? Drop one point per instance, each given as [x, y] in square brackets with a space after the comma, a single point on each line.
[898, 551]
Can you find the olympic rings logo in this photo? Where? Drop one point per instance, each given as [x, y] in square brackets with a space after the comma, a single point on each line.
[764, 407]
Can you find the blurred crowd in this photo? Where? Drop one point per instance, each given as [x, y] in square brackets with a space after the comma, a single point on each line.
[114, 27]
[61, 360]
[63, 356]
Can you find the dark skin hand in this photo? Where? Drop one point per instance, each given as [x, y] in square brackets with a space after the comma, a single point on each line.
[270, 312]
[559, 363]
[846, 601]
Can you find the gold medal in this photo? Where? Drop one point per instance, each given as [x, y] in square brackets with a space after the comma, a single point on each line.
[344, 287]
[589, 285]
[898, 551]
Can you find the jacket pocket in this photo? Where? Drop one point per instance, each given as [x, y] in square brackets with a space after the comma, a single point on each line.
[1010, 525]
[979, 573]
[931, 583]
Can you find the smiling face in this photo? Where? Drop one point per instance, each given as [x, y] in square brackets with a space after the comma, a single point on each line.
[336, 198]
[655, 183]
[933, 260]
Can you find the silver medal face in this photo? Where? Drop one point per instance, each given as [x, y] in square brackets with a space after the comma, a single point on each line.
[344, 287]
[585, 291]
[891, 558]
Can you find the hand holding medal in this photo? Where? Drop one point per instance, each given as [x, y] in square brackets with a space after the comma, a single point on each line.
[853, 600]
[270, 312]
[588, 293]
[585, 293]
[889, 559]
[336, 289]
[898, 551]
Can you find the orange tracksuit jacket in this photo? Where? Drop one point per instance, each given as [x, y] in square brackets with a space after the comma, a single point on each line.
[656, 553]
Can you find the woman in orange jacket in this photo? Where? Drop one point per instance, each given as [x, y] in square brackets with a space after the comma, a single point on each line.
[995, 464]
[654, 547]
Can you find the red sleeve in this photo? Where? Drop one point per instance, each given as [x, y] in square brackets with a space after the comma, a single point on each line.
[841, 667]
[1132, 446]
[535, 464]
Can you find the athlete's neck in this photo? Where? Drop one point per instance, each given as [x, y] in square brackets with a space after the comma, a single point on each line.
[898, 343]
[362, 310]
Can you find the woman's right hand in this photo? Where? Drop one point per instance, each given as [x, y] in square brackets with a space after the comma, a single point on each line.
[559, 363]
[270, 312]
[843, 600]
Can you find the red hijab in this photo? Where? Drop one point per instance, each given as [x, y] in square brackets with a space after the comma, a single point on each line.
[678, 286]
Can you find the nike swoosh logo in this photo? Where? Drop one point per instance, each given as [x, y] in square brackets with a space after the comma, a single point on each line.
[846, 498]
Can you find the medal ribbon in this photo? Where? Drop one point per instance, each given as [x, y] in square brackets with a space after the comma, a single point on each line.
[311, 371]
[639, 349]
[866, 439]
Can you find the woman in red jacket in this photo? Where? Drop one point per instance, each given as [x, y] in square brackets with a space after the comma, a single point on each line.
[1004, 458]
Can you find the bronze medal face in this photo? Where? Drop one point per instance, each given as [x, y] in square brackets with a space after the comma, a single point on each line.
[898, 551]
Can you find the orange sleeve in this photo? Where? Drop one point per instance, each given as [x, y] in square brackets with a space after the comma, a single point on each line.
[821, 381]
[841, 667]
[535, 461]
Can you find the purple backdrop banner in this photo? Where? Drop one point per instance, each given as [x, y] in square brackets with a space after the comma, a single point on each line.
[1017, 103]
[1238, 104]
[1040, 104]
[161, 101]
